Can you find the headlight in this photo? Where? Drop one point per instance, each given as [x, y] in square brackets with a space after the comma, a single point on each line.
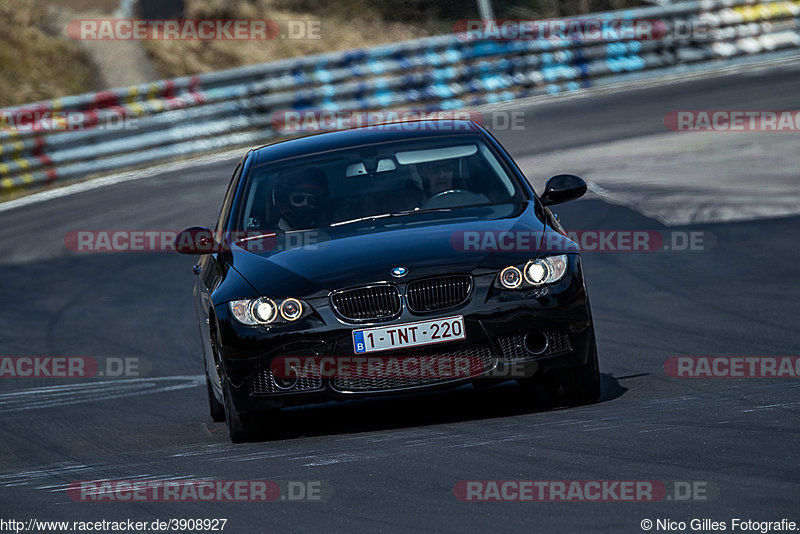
[291, 309]
[510, 277]
[536, 272]
[264, 310]
[543, 271]
[240, 309]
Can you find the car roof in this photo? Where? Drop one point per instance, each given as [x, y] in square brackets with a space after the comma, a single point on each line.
[379, 133]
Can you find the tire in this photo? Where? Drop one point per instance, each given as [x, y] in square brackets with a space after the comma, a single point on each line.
[215, 408]
[581, 385]
[241, 427]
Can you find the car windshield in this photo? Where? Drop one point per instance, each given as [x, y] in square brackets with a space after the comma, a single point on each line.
[372, 182]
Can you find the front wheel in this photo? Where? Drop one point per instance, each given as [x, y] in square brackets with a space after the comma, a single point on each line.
[581, 385]
[241, 427]
[215, 408]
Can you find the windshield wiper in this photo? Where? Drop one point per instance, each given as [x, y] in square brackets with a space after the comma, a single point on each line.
[255, 237]
[368, 218]
[389, 215]
[418, 210]
[274, 233]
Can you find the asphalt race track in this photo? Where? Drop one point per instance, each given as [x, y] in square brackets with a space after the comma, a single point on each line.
[391, 464]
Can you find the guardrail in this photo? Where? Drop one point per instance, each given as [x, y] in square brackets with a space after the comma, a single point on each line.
[135, 126]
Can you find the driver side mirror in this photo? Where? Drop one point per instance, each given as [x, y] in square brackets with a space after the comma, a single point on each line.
[195, 240]
[562, 188]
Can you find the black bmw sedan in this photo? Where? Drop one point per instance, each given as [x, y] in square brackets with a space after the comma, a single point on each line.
[383, 260]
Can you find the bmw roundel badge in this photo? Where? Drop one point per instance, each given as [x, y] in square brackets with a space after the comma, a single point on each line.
[399, 272]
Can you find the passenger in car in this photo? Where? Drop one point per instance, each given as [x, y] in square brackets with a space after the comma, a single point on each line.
[438, 176]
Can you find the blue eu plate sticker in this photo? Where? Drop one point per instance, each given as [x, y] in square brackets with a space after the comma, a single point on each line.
[358, 341]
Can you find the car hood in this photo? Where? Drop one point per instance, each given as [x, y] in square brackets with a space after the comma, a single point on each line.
[424, 243]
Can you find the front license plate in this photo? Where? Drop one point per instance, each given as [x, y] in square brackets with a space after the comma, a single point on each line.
[409, 334]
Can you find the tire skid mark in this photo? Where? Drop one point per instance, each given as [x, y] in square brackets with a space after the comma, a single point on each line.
[43, 479]
[77, 393]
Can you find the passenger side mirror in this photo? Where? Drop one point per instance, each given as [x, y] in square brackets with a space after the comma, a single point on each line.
[562, 188]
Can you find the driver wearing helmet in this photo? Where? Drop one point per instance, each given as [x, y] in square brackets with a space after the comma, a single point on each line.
[300, 198]
[437, 176]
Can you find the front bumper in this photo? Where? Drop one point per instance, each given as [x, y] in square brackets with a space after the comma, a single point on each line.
[504, 333]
